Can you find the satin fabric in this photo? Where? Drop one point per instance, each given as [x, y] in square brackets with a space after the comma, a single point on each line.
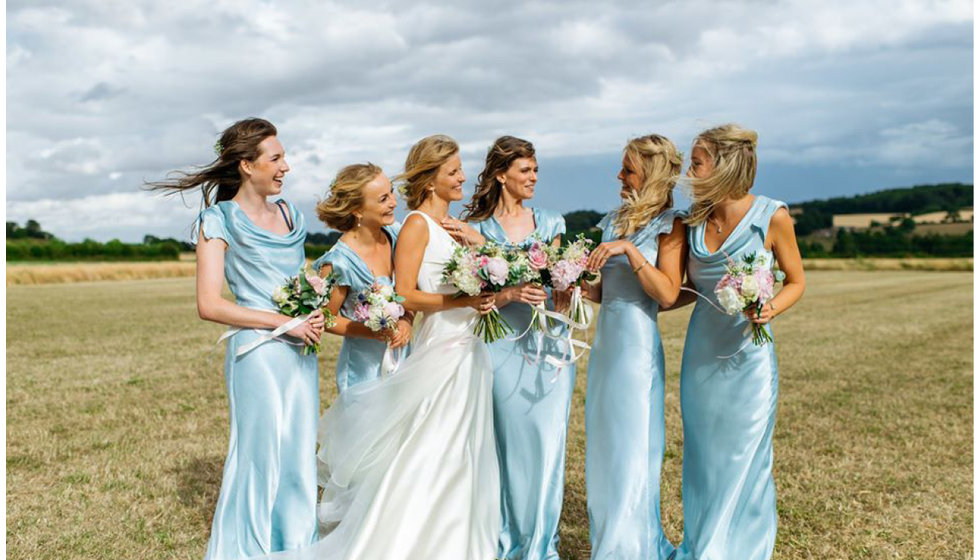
[728, 406]
[531, 402]
[360, 358]
[624, 408]
[267, 500]
[408, 462]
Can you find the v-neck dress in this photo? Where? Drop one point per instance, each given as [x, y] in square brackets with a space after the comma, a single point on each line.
[360, 358]
[728, 406]
[530, 403]
[267, 500]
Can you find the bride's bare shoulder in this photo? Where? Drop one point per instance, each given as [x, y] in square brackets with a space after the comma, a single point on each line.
[414, 230]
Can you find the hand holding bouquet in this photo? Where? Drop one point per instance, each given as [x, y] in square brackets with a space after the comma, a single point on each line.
[490, 268]
[562, 268]
[379, 308]
[304, 294]
[746, 287]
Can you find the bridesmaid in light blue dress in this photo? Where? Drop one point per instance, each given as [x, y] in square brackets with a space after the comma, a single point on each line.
[267, 501]
[361, 204]
[641, 259]
[729, 385]
[531, 398]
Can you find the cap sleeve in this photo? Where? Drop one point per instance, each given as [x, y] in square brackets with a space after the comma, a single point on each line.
[647, 239]
[211, 221]
[554, 224]
[394, 229]
[768, 207]
[340, 265]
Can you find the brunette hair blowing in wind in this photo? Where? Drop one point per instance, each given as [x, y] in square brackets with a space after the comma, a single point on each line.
[221, 179]
[422, 166]
[500, 156]
[656, 158]
[732, 150]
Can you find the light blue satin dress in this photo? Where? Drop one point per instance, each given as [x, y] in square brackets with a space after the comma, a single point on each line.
[728, 406]
[530, 415]
[624, 408]
[360, 358]
[268, 494]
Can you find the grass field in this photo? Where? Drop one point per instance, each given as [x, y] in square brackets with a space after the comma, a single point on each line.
[61, 272]
[117, 421]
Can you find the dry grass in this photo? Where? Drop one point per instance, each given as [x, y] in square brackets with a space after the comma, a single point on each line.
[871, 264]
[117, 421]
[60, 273]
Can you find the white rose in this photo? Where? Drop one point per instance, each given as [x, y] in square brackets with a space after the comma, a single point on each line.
[280, 295]
[750, 288]
[386, 291]
[729, 299]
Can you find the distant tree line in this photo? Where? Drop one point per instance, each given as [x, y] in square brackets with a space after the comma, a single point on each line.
[891, 241]
[920, 199]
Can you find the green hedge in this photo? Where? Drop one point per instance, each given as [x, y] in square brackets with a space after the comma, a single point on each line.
[89, 250]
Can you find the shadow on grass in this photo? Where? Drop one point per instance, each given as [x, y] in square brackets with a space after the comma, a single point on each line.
[198, 483]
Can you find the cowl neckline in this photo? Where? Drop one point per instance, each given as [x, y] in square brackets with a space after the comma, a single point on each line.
[748, 223]
[251, 228]
[362, 267]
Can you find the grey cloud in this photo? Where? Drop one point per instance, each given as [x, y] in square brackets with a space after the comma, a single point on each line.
[132, 90]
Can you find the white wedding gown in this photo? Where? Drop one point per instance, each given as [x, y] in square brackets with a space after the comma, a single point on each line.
[408, 463]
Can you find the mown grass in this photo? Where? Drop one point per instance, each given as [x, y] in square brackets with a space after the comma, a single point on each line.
[117, 421]
[20, 273]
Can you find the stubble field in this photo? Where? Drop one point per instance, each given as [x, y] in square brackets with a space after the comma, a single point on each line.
[117, 420]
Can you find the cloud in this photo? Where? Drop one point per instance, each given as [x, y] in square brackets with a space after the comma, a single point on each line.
[102, 96]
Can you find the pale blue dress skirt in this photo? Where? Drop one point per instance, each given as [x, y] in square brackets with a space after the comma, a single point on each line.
[531, 401]
[267, 500]
[728, 405]
[624, 409]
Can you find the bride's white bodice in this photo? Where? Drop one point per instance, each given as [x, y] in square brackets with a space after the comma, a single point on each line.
[450, 324]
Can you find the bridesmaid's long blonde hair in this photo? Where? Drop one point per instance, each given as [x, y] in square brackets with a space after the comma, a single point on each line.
[656, 158]
[732, 150]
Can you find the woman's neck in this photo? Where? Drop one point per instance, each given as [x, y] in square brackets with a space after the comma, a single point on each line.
[732, 209]
[509, 206]
[435, 207]
[366, 236]
[251, 201]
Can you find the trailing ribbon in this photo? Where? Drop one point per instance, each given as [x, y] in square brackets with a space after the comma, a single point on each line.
[389, 364]
[745, 332]
[578, 309]
[266, 335]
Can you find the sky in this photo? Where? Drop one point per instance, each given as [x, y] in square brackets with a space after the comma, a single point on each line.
[102, 95]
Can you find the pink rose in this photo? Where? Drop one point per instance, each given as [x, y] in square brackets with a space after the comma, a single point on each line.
[537, 257]
[394, 310]
[318, 284]
[497, 271]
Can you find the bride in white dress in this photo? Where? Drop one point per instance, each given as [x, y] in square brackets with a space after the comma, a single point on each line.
[408, 463]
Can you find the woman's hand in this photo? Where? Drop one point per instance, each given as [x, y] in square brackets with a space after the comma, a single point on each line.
[602, 253]
[483, 303]
[562, 299]
[462, 232]
[531, 294]
[761, 317]
[307, 331]
[401, 335]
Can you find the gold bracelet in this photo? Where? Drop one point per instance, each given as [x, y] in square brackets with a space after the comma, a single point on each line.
[637, 269]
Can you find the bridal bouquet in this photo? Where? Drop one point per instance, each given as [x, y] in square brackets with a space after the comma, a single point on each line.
[563, 267]
[379, 307]
[303, 294]
[747, 286]
[490, 268]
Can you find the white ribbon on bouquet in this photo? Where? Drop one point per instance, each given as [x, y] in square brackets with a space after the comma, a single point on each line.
[541, 316]
[389, 364]
[266, 335]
